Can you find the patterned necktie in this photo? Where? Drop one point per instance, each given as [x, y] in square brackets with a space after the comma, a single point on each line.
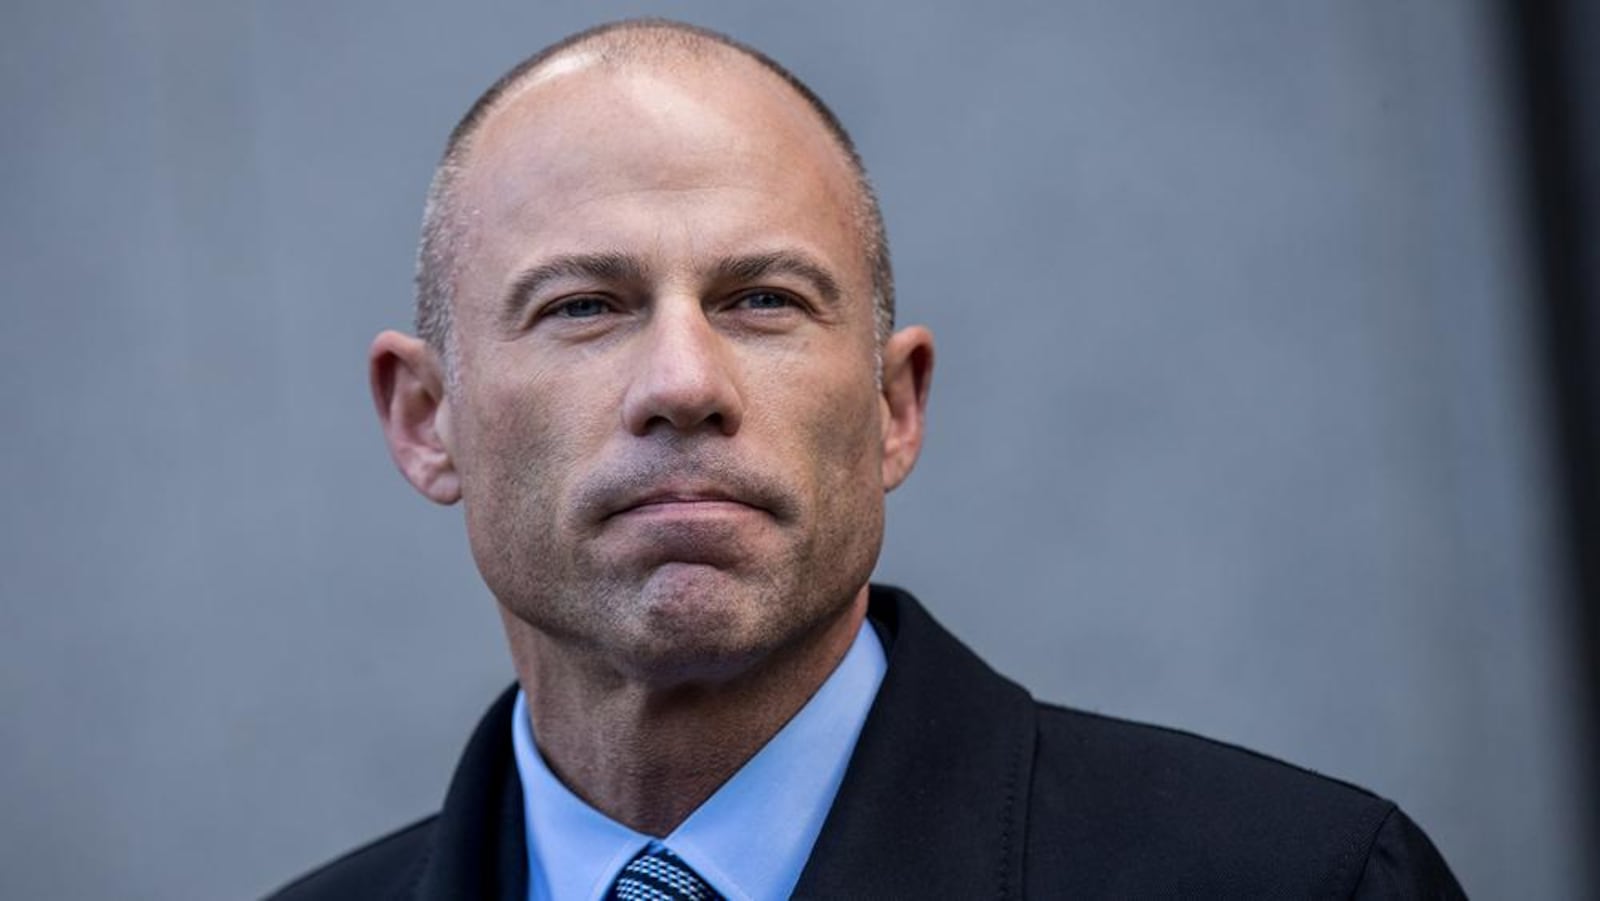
[657, 874]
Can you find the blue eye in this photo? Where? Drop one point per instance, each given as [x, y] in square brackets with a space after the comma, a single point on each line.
[581, 308]
[765, 300]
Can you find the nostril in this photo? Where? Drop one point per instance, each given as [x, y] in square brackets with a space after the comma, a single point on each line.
[695, 422]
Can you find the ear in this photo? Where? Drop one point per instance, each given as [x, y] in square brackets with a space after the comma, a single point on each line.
[408, 388]
[907, 375]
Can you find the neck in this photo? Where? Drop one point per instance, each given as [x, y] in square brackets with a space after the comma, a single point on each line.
[648, 754]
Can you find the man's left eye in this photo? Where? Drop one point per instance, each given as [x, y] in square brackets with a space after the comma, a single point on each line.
[765, 300]
[581, 308]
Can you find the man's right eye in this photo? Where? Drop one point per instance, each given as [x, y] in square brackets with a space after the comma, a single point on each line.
[580, 308]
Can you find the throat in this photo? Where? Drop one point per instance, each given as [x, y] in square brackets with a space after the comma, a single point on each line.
[648, 757]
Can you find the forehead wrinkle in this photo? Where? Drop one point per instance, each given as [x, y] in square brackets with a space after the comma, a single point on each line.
[538, 207]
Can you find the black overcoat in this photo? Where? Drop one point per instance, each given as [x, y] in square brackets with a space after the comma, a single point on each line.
[962, 786]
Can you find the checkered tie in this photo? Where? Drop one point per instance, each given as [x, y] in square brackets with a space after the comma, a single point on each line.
[657, 874]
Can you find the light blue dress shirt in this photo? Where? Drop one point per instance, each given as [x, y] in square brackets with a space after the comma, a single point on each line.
[749, 840]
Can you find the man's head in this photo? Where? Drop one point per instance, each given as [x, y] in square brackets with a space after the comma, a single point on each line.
[664, 388]
[614, 44]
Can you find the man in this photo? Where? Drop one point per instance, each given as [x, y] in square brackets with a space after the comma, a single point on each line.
[656, 365]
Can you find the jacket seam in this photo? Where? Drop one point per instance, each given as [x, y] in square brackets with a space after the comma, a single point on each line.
[1013, 827]
[1006, 815]
[414, 888]
[1372, 843]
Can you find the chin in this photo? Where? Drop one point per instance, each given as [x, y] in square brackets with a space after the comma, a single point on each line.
[700, 622]
[684, 602]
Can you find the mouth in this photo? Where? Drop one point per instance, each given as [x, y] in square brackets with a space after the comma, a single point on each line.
[696, 501]
[688, 487]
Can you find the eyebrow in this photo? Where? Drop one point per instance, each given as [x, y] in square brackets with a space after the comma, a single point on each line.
[756, 267]
[600, 267]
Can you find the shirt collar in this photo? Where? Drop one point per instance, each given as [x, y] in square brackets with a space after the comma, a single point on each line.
[574, 851]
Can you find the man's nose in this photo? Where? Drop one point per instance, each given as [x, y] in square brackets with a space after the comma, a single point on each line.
[684, 375]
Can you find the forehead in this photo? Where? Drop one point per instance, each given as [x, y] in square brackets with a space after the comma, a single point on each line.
[589, 149]
[719, 94]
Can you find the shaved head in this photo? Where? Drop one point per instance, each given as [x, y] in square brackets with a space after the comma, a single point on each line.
[653, 43]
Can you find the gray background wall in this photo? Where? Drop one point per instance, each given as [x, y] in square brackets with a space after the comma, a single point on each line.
[1234, 425]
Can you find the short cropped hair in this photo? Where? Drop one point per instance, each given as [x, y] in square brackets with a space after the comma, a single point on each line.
[622, 42]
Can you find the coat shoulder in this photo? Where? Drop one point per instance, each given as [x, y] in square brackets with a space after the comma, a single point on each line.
[1125, 806]
[387, 867]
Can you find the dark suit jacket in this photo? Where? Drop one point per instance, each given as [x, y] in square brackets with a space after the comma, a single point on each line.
[961, 786]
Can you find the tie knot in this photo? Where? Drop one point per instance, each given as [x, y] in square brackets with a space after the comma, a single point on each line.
[657, 874]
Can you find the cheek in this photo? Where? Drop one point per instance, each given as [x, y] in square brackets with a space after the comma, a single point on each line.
[834, 429]
[524, 449]
[847, 503]
[522, 446]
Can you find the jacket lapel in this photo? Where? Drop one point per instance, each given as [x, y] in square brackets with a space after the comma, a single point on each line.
[479, 846]
[935, 798]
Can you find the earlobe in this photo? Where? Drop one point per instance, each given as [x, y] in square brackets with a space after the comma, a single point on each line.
[408, 388]
[907, 377]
